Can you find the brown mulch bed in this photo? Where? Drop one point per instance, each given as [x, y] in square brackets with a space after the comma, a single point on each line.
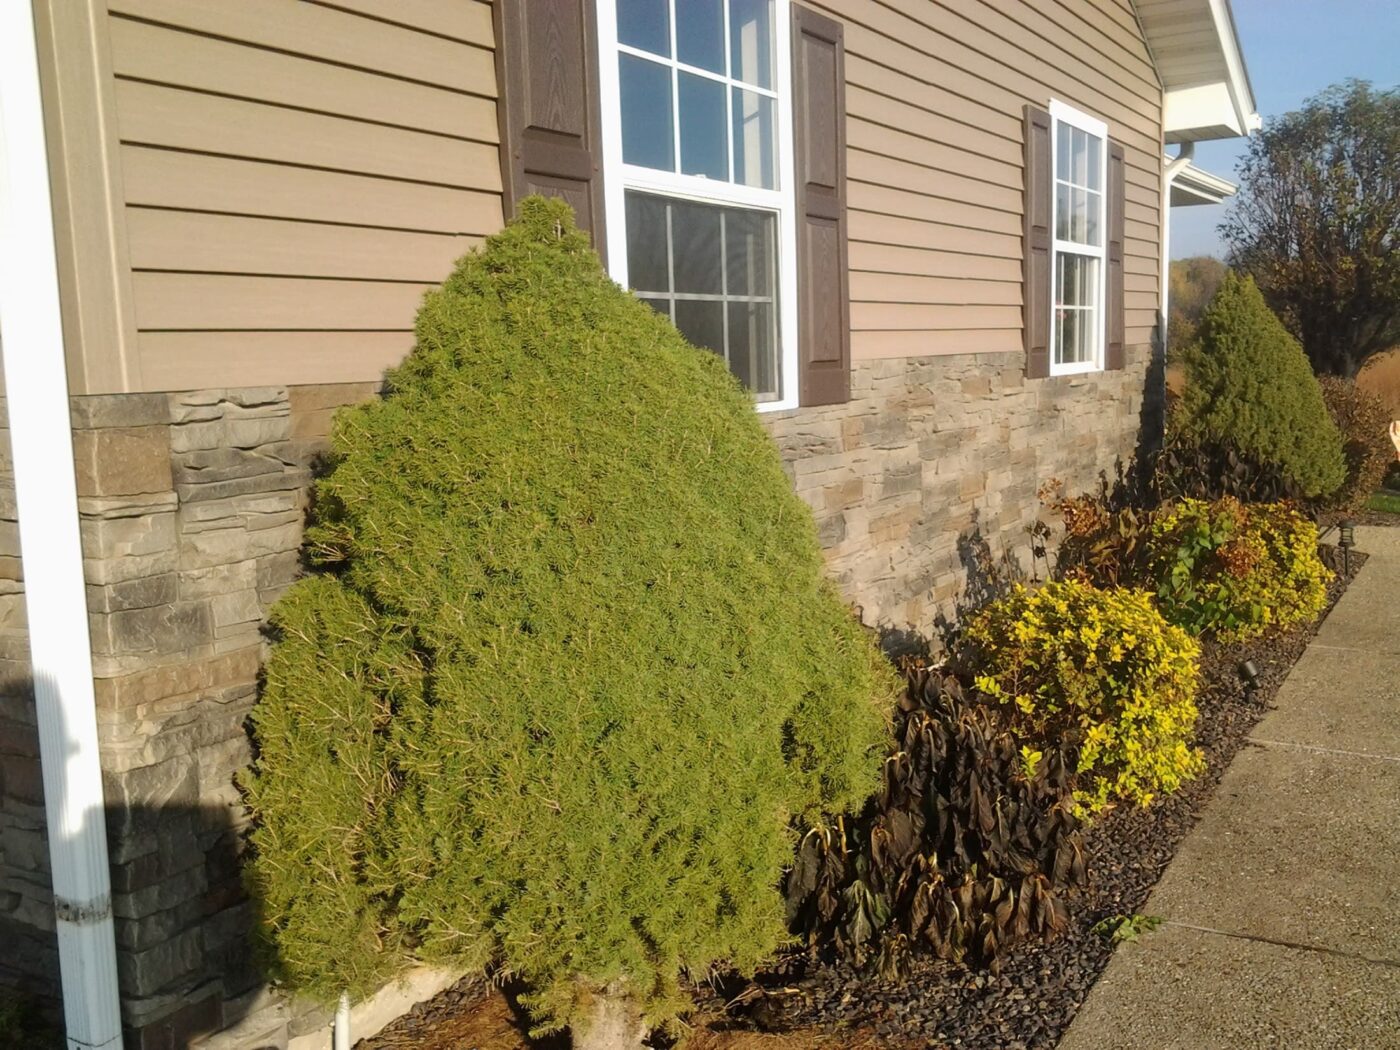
[804, 1005]
[471, 1015]
[1329, 520]
[1376, 517]
[475, 1015]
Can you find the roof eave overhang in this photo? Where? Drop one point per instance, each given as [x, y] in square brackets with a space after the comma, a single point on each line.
[1196, 108]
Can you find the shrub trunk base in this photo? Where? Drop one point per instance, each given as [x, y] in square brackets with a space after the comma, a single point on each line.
[614, 1023]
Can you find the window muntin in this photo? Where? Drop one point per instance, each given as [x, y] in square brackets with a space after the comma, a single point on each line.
[690, 104]
[1077, 315]
[1078, 185]
[701, 216]
[1079, 145]
[711, 270]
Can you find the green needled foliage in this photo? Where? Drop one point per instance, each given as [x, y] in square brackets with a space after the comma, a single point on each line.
[1249, 384]
[572, 669]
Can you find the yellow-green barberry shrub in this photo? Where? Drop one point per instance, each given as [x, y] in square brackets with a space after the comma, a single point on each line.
[1097, 670]
[570, 671]
[1234, 570]
[1249, 385]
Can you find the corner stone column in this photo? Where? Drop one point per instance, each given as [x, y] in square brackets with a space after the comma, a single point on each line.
[191, 508]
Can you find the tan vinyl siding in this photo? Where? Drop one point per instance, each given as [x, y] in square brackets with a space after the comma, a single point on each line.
[295, 176]
[935, 94]
[292, 175]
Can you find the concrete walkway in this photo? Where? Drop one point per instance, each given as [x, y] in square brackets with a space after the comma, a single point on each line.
[1283, 904]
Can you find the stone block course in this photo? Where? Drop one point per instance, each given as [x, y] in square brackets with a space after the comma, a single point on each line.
[191, 513]
[11, 572]
[161, 630]
[132, 533]
[236, 607]
[972, 440]
[212, 547]
[149, 972]
[122, 460]
[104, 412]
[144, 592]
[214, 580]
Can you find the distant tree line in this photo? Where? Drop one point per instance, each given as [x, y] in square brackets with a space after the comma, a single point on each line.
[1193, 283]
[1317, 224]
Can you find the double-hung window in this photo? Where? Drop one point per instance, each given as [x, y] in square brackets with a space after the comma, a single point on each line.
[1079, 162]
[697, 122]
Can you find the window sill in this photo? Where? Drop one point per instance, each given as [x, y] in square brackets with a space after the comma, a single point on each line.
[1090, 368]
[785, 405]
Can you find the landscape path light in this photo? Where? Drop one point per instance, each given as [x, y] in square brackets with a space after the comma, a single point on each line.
[1346, 540]
[1249, 675]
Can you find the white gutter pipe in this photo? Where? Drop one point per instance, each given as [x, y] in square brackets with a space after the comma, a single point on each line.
[340, 1034]
[1183, 157]
[36, 385]
[1173, 168]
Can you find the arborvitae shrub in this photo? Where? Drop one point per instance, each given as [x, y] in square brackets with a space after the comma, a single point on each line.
[1096, 670]
[339, 677]
[1364, 422]
[1249, 385]
[1235, 569]
[571, 671]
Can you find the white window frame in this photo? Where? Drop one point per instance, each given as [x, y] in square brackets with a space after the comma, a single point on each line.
[619, 177]
[1060, 113]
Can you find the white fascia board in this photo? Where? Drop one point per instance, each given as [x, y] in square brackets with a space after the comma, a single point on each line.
[1193, 185]
[1241, 91]
[1218, 108]
[1201, 186]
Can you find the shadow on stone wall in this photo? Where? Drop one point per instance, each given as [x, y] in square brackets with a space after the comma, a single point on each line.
[987, 573]
[29, 959]
[1152, 424]
[182, 920]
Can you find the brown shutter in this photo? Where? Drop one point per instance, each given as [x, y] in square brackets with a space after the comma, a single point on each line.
[1114, 356]
[547, 71]
[1036, 278]
[823, 291]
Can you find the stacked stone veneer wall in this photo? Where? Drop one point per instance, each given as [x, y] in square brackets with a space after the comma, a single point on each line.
[192, 508]
[935, 462]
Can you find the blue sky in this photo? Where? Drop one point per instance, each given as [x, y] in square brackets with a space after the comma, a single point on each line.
[1294, 49]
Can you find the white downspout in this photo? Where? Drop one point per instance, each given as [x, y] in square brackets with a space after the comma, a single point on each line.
[340, 1034]
[1169, 173]
[36, 386]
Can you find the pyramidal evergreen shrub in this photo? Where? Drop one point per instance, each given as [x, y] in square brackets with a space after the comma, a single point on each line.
[1249, 385]
[570, 671]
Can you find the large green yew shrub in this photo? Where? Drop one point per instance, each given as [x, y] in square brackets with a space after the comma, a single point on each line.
[571, 669]
[1249, 385]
